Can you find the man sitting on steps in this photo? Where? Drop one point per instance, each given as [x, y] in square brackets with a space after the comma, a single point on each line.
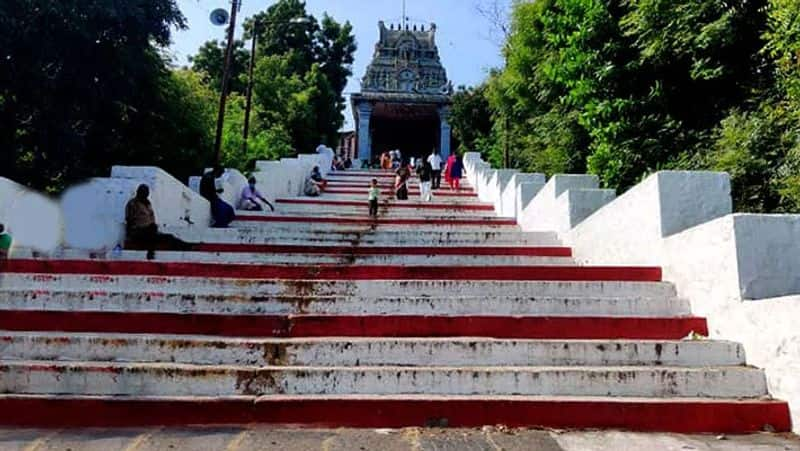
[251, 196]
[141, 228]
[222, 213]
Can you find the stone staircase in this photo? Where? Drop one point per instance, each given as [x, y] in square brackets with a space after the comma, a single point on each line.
[435, 314]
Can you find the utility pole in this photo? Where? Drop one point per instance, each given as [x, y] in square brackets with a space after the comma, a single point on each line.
[250, 88]
[506, 153]
[235, 5]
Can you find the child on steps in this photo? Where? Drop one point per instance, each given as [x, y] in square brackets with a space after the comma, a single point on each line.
[374, 195]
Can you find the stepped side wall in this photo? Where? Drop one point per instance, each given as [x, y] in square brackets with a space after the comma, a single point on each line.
[722, 266]
[681, 221]
[732, 267]
[498, 184]
[33, 220]
[558, 207]
[513, 199]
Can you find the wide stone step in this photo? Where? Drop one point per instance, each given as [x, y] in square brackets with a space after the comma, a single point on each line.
[323, 211]
[679, 415]
[262, 304]
[364, 351]
[388, 187]
[309, 235]
[392, 205]
[387, 191]
[334, 272]
[172, 379]
[471, 223]
[264, 256]
[398, 250]
[296, 326]
[313, 213]
[363, 288]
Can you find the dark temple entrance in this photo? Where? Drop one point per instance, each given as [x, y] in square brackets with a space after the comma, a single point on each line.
[414, 130]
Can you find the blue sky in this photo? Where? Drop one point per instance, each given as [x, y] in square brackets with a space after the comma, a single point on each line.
[465, 46]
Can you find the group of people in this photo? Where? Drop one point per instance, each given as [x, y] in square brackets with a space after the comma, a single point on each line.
[429, 171]
[392, 159]
[141, 228]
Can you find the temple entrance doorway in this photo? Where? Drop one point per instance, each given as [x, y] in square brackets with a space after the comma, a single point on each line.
[415, 137]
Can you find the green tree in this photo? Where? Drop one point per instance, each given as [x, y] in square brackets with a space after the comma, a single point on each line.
[210, 61]
[315, 58]
[471, 118]
[270, 143]
[81, 83]
[626, 87]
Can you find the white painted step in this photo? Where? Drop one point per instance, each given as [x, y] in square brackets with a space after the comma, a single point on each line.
[360, 288]
[365, 351]
[307, 259]
[171, 379]
[267, 232]
[394, 234]
[455, 304]
[317, 212]
[303, 222]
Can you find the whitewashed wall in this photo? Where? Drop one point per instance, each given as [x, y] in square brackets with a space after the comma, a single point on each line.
[721, 264]
[731, 267]
[94, 212]
[563, 202]
[33, 220]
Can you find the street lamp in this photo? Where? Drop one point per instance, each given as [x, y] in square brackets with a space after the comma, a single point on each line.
[256, 24]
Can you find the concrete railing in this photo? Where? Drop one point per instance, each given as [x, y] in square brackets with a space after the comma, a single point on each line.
[563, 203]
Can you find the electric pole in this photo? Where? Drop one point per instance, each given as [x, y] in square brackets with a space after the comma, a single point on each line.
[235, 5]
[506, 153]
[249, 103]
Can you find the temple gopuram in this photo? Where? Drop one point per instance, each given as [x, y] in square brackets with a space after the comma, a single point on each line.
[405, 96]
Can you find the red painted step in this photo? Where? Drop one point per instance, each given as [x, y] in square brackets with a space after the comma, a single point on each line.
[301, 326]
[355, 203]
[394, 250]
[377, 175]
[410, 193]
[333, 272]
[646, 415]
[381, 221]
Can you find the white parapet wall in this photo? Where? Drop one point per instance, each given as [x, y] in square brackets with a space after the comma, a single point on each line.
[630, 229]
[500, 181]
[563, 203]
[732, 267]
[513, 198]
[94, 212]
[175, 204]
[526, 192]
[33, 220]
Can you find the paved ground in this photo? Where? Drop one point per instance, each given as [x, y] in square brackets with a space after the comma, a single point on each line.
[488, 439]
